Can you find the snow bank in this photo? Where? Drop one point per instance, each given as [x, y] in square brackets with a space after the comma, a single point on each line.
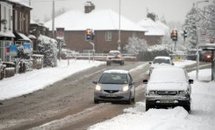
[29, 82]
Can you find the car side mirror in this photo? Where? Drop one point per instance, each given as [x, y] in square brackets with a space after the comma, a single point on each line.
[131, 83]
[150, 62]
[145, 81]
[95, 82]
[190, 81]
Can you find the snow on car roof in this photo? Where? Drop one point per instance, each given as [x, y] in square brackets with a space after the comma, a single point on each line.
[168, 74]
[116, 71]
[162, 57]
[114, 51]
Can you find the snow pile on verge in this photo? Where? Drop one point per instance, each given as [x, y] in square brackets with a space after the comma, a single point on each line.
[201, 117]
[29, 82]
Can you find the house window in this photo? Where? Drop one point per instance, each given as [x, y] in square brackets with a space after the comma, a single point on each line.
[16, 20]
[5, 11]
[108, 36]
[10, 20]
[0, 16]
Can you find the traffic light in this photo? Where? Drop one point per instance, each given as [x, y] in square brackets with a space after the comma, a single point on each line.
[185, 34]
[174, 35]
[89, 34]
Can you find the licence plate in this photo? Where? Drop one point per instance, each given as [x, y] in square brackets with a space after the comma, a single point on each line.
[110, 95]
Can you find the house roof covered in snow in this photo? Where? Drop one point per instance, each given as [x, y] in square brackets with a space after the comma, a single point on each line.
[153, 29]
[96, 20]
[21, 2]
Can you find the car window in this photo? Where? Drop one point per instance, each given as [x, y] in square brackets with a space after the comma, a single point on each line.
[160, 61]
[113, 78]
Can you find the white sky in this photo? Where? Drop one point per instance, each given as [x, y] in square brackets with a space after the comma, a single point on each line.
[172, 10]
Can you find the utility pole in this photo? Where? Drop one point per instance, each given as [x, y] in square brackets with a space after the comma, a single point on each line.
[119, 32]
[53, 18]
[29, 2]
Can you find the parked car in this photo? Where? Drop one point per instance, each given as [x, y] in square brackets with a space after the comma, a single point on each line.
[10, 69]
[160, 61]
[1, 70]
[169, 87]
[115, 56]
[114, 85]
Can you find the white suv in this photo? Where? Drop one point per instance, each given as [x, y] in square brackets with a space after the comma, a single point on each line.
[168, 86]
[160, 61]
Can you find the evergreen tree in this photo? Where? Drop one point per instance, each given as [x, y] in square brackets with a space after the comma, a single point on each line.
[191, 23]
[210, 24]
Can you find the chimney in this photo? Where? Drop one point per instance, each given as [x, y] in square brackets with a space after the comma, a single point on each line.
[89, 6]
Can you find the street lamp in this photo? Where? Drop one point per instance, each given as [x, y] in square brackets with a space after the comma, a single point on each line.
[197, 32]
[119, 32]
[197, 39]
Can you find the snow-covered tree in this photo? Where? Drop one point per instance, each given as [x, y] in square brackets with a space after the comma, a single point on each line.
[136, 45]
[209, 14]
[48, 47]
[191, 23]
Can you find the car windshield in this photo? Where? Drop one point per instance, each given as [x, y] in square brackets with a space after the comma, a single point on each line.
[113, 53]
[160, 61]
[113, 78]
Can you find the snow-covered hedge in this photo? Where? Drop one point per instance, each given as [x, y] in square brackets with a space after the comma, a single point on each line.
[48, 47]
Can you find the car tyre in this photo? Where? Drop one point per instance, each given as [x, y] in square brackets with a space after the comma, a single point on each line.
[188, 108]
[122, 63]
[108, 63]
[148, 106]
[96, 101]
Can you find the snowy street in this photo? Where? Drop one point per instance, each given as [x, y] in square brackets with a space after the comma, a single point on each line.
[55, 107]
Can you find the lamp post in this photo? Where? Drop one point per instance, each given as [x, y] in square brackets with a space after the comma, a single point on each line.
[119, 31]
[53, 18]
[197, 32]
[197, 39]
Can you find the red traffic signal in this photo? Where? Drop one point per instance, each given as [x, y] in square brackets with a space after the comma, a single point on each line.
[174, 35]
[89, 34]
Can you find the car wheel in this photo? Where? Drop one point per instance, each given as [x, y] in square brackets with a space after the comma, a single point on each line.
[108, 63]
[188, 108]
[122, 63]
[96, 101]
[148, 106]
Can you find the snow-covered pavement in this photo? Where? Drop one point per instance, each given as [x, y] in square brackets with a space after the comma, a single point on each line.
[202, 116]
[31, 81]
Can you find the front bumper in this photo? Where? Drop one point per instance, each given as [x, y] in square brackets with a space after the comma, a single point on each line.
[168, 100]
[109, 97]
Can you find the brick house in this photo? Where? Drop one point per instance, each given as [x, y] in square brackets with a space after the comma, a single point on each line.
[14, 27]
[105, 24]
[6, 28]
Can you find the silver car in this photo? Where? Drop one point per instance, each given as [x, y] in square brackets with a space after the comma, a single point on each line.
[168, 87]
[114, 85]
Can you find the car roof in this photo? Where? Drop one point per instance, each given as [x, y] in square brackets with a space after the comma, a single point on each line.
[162, 57]
[116, 71]
[114, 51]
[168, 73]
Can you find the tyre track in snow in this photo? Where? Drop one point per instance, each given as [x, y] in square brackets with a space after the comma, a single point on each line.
[70, 96]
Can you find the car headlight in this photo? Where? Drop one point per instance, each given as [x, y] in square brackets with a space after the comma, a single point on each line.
[182, 92]
[98, 88]
[125, 88]
[151, 92]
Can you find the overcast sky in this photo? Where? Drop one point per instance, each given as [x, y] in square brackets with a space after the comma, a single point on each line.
[135, 10]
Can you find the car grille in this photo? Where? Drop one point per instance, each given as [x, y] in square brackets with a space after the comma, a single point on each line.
[111, 91]
[166, 92]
